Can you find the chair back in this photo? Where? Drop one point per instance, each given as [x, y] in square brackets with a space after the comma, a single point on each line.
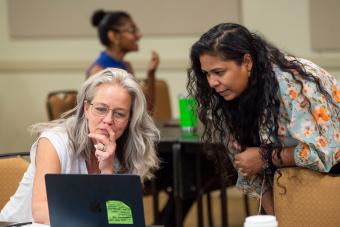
[162, 103]
[303, 197]
[12, 168]
[59, 102]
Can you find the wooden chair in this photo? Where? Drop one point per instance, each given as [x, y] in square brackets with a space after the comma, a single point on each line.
[12, 168]
[161, 101]
[59, 102]
[303, 197]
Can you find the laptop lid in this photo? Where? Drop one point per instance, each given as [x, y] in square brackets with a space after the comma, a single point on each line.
[94, 200]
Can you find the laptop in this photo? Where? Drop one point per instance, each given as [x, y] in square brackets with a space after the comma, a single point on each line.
[94, 200]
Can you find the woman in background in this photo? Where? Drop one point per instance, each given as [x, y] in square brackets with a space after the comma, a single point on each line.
[269, 108]
[119, 34]
[108, 132]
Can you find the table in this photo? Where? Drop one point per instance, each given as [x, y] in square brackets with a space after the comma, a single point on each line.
[185, 155]
[26, 224]
[43, 225]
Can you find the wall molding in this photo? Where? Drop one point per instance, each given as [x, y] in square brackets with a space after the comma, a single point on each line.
[71, 66]
[154, 17]
[329, 63]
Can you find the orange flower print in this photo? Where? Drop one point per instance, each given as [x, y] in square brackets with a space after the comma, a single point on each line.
[336, 93]
[304, 151]
[308, 131]
[320, 115]
[292, 93]
[322, 141]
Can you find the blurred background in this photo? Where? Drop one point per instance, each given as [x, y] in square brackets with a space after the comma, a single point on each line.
[48, 45]
[31, 64]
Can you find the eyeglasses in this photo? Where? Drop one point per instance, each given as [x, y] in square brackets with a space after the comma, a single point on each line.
[101, 110]
[133, 30]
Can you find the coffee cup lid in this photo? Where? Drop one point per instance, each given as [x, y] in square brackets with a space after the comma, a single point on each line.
[261, 219]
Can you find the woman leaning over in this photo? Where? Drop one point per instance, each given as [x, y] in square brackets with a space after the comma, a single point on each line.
[269, 108]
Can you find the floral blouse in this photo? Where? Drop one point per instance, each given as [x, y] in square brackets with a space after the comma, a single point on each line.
[316, 135]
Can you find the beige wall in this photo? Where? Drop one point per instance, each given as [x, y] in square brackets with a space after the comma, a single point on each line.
[29, 69]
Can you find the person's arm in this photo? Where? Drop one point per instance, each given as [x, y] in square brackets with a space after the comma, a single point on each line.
[312, 122]
[93, 70]
[287, 157]
[311, 119]
[151, 72]
[106, 152]
[249, 162]
[129, 68]
[46, 161]
[268, 202]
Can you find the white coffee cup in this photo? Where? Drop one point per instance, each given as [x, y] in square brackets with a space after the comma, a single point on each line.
[261, 221]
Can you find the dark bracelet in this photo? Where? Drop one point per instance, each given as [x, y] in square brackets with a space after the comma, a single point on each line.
[18, 224]
[266, 152]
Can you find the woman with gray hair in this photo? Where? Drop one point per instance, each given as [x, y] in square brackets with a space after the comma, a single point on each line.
[108, 132]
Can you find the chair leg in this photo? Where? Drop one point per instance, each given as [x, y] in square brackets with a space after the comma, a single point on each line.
[209, 207]
[246, 205]
[155, 202]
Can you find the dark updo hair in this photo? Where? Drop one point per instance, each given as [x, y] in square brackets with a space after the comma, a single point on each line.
[107, 21]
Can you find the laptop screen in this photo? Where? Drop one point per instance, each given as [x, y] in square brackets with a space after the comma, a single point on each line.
[94, 200]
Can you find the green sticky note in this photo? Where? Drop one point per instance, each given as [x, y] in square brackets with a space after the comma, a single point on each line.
[118, 212]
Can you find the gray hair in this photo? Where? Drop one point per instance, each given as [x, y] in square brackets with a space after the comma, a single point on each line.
[137, 144]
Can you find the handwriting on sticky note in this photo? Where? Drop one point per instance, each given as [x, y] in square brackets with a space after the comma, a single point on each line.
[118, 212]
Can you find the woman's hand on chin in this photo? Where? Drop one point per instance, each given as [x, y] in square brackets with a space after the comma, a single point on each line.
[105, 149]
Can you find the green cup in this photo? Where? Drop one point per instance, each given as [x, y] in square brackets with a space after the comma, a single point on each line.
[187, 113]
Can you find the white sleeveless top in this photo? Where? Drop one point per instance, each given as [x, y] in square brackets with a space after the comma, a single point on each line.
[19, 207]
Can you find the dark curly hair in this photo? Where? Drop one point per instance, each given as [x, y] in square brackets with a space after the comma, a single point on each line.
[108, 21]
[258, 106]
